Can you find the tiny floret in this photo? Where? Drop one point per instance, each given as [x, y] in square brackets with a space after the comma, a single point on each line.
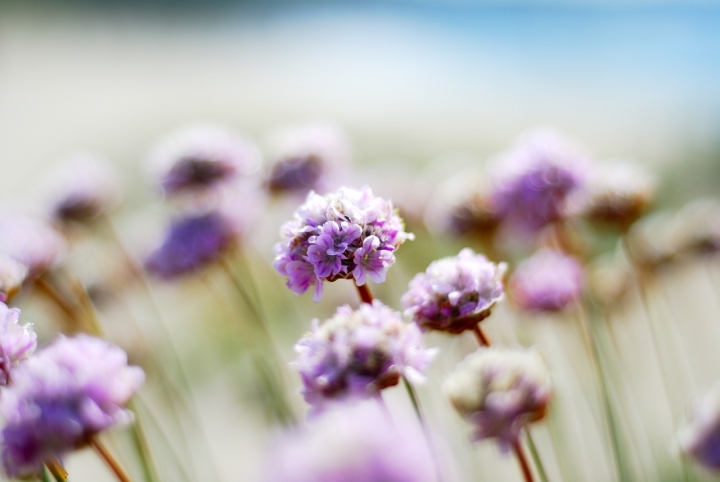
[548, 281]
[61, 397]
[454, 294]
[17, 342]
[499, 391]
[346, 234]
[700, 437]
[357, 353]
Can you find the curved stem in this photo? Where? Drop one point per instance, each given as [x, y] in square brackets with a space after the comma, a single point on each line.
[110, 460]
[365, 294]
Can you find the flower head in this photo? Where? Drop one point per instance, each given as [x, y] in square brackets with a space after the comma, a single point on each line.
[12, 275]
[547, 281]
[61, 397]
[352, 444]
[202, 157]
[357, 353]
[499, 391]
[534, 179]
[454, 294]
[700, 437]
[345, 234]
[31, 241]
[81, 187]
[306, 158]
[17, 342]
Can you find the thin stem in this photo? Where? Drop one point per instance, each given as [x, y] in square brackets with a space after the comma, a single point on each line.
[536, 456]
[426, 431]
[143, 447]
[414, 400]
[522, 460]
[384, 408]
[56, 469]
[482, 338]
[365, 294]
[110, 460]
[56, 298]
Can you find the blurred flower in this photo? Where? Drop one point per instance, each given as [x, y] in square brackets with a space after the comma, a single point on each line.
[17, 342]
[499, 391]
[532, 181]
[202, 157]
[31, 241]
[610, 277]
[345, 234]
[700, 437]
[311, 157]
[463, 205]
[61, 397]
[352, 444]
[12, 276]
[653, 241]
[618, 193]
[80, 188]
[358, 353]
[696, 227]
[456, 293]
[549, 280]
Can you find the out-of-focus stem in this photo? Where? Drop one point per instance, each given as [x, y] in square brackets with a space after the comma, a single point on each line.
[141, 445]
[56, 469]
[522, 460]
[536, 457]
[110, 460]
[426, 430]
[365, 294]
[482, 338]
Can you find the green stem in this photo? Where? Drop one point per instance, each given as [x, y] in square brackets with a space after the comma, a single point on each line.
[536, 456]
[56, 469]
[426, 431]
[142, 446]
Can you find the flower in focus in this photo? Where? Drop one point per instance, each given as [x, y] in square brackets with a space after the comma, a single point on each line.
[355, 354]
[352, 444]
[454, 294]
[618, 193]
[499, 391]
[12, 275]
[32, 242]
[202, 157]
[533, 180]
[345, 234]
[307, 158]
[61, 397]
[81, 188]
[549, 280]
[17, 342]
[700, 437]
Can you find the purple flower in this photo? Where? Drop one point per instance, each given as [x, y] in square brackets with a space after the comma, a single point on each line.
[62, 397]
[191, 243]
[355, 354]
[32, 242]
[201, 158]
[352, 444]
[547, 281]
[534, 179]
[499, 391]
[454, 294]
[17, 342]
[345, 234]
[700, 437]
[306, 158]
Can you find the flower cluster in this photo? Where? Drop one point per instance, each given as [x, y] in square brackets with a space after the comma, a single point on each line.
[61, 397]
[358, 353]
[500, 391]
[700, 438]
[549, 280]
[454, 294]
[17, 342]
[534, 180]
[352, 444]
[346, 234]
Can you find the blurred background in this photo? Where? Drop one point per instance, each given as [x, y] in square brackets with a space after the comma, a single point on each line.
[411, 82]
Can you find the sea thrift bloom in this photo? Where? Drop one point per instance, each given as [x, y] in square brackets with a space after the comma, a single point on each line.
[81, 188]
[696, 227]
[306, 158]
[202, 157]
[454, 294]
[32, 242]
[63, 396]
[12, 275]
[534, 179]
[357, 353]
[618, 193]
[700, 438]
[653, 241]
[547, 281]
[346, 234]
[17, 342]
[499, 391]
[352, 444]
